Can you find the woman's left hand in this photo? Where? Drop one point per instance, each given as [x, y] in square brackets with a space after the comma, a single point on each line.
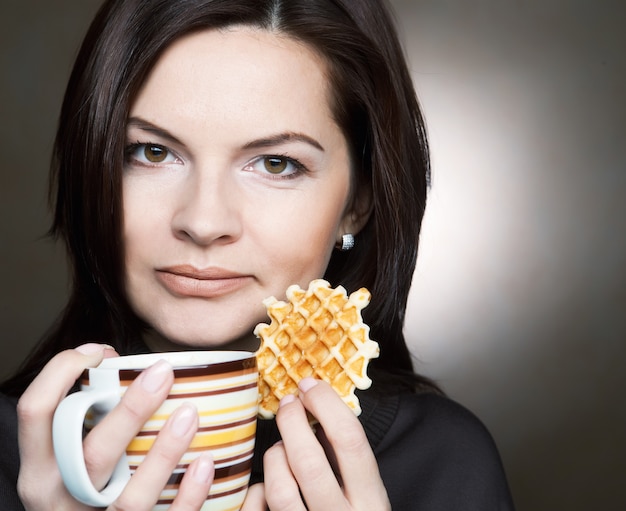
[333, 469]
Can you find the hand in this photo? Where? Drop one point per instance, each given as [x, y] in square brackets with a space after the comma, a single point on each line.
[40, 485]
[335, 469]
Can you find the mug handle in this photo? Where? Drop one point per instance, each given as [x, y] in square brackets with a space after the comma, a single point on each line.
[67, 437]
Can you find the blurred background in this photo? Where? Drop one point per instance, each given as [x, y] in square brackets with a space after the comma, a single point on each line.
[519, 300]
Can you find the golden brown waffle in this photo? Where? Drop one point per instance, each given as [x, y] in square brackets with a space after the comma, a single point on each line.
[318, 332]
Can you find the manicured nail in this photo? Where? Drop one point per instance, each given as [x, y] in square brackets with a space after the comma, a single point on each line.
[289, 398]
[184, 418]
[90, 348]
[203, 471]
[153, 378]
[307, 384]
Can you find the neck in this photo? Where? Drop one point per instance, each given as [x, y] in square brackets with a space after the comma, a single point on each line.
[158, 343]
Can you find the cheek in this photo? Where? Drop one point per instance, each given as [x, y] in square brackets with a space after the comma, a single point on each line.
[301, 241]
[131, 224]
[132, 253]
[140, 224]
[146, 203]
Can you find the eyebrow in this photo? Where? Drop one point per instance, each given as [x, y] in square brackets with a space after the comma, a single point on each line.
[142, 124]
[280, 138]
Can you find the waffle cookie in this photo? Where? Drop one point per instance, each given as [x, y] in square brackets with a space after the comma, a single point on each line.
[319, 332]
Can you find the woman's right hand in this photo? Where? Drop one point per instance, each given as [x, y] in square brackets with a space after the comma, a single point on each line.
[40, 485]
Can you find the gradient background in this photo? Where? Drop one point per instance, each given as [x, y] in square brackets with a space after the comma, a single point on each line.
[519, 299]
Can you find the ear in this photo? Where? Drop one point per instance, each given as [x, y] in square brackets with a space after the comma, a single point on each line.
[357, 212]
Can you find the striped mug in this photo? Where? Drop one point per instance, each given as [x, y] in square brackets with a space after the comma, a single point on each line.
[223, 387]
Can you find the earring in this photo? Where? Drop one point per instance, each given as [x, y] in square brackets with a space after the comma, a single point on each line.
[347, 242]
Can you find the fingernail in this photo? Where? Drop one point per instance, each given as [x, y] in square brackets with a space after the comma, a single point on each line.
[289, 398]
[184, 418]
[90, 348]
[307, 384]
[203, 469]
[153, 378]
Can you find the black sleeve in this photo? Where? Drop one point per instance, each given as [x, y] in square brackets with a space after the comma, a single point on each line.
[9, 456]
[437, 456]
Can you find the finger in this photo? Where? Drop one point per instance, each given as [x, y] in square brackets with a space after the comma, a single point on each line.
[38, 402]
[104, 445]
[306, 457]
[255, 498]
[152, 475]
[281, 489]
[330, 453]
[195, 485]
[39, 477]
[354, 457]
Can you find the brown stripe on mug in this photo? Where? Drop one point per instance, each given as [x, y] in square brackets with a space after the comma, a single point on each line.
[221, 473]
[221, 369]
[216, 369]
[230, 459]
[183, 466]
[211, 496]
[216, 392]
[204, 429]
[218, 376]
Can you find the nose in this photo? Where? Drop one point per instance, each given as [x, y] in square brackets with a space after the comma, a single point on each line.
[208, 210]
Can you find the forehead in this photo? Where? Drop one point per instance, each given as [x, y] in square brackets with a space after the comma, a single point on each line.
[238, 69]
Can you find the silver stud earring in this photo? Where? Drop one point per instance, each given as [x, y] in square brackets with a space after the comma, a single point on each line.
[347, 242]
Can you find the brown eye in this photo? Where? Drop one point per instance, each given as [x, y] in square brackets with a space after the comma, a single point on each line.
[155, 153]
[275, 165]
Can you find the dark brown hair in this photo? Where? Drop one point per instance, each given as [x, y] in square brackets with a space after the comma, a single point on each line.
[374, 104]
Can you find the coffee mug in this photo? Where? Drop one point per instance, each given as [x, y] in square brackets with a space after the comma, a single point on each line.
[223, 385]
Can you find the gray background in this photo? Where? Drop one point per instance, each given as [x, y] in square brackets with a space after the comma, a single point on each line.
[519, 297]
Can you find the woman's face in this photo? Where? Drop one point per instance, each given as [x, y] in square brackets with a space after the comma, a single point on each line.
[236, 184]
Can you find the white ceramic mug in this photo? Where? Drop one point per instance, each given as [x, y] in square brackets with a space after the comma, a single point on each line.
[223, 385]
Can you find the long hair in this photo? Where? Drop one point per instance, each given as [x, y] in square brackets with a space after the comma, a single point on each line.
[372, 100]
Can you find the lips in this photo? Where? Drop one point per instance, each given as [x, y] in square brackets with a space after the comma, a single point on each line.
[189, 281]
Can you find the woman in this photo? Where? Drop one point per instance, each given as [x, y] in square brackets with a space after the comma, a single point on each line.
[209, 154]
